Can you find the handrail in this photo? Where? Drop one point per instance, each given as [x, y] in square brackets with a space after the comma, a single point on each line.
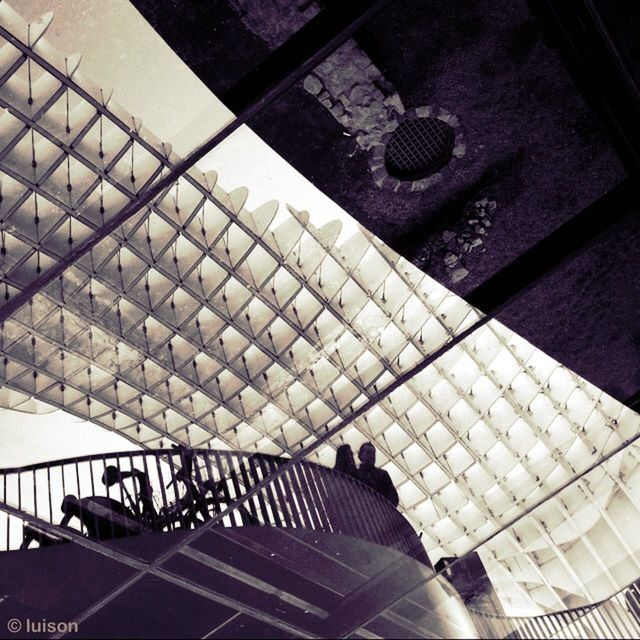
[132, 493]
[617, 616]
[581, 610]
[99, 456]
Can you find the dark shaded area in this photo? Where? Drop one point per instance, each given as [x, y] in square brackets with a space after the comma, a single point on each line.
[533, 145]
[621, 19]
[208, 36]
[318, 38]
[154, 608]
[595, 63]
[586, 314]
[57, 583]
[246, 627]
[572, 237]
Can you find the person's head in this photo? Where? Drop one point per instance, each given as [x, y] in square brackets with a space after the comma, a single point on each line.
[367, 455]
[111, 476]
[344, 458]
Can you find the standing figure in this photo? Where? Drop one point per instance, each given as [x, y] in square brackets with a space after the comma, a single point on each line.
[378, 479]
[345, 461]
[338, 501]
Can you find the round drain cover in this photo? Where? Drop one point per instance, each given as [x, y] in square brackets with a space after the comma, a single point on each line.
[418, 148]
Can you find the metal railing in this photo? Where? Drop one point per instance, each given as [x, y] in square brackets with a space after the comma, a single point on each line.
[615, 617]
[109, 496]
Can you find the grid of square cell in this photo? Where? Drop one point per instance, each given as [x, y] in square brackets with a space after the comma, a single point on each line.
[123, 272]
[574, 548]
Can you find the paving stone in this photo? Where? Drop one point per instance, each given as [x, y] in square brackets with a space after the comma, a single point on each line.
[325, 67]
[459, 274]
[451, 259]
[394, 101]
[459, 151]
[337, 109]
[450, 119]
[379, 152]
[423, 112]
[380, 173]
[312, 84]
[360, 95]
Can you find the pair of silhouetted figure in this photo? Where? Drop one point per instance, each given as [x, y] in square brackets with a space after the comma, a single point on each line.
[376, 478]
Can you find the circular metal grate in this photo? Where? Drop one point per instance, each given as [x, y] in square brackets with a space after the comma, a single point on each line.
[418, 148]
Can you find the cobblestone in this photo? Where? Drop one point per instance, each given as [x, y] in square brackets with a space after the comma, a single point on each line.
[459, 274]
[452, 245]
[348, 84]
[312, 84]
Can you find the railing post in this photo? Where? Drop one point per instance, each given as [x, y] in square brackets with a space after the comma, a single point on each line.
[247, 485]
[212, 483]
[49, 493]
[233, 515]
[271, 465]
[302, 493]
[270, 511]
[163, 492]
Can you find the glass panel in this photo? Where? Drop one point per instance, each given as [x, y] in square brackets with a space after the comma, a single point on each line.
[243, 332]
[525, 152]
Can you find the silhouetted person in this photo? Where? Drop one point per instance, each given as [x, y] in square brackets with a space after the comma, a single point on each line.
[142, 505]
[345, 461]
[378, 479]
